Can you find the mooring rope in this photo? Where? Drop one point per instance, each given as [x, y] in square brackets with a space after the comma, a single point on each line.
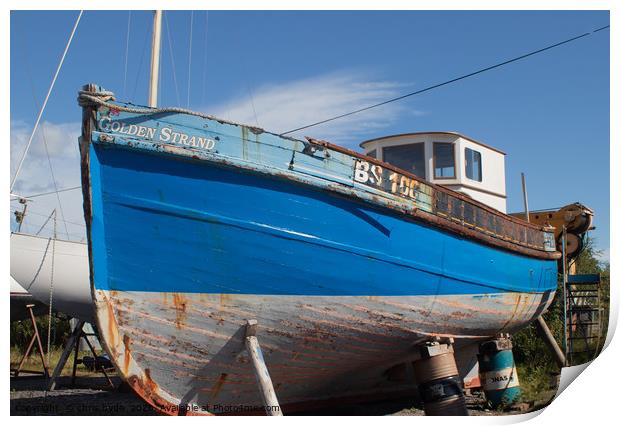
[102, 98]
[86, 98]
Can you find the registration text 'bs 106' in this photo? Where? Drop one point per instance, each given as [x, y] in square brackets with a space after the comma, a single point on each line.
[387, 180]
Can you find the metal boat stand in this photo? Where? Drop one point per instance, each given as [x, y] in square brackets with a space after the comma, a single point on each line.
[439, 383]
[35, 338]
[498, 372]
[73, 344]
[268, 394]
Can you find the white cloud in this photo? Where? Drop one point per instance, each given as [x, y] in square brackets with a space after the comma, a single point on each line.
[62, 145]
[35, 176]
[286, 106]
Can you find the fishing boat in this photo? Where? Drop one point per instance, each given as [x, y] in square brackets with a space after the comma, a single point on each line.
[196, 225]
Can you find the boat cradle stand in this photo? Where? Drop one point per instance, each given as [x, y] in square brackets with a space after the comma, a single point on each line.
[36, 337]
[73, 344]
[498, 372]
[268, 394]
[439, 383]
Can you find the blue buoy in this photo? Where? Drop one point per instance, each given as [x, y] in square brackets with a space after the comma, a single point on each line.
[498, 372]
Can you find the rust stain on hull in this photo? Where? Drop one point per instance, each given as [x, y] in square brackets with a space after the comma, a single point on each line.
[112, 326]
[127, 343]
[180, 306]
[218, 385]
[224, 299]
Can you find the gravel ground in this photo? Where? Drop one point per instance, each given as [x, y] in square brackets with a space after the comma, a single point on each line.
[93, 396]
[89, 396]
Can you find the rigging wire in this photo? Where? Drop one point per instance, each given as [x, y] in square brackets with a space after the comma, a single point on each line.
[49, 92]
[43, 134]
[45, 223]
[189, 66]
[32, 229]
[49, 161]
[204, 60]
[126, 54]
[253, 108]
[38, 213]
[172, 63]
[135, 85]
[435, 86]
[47, 154]
[73, 188]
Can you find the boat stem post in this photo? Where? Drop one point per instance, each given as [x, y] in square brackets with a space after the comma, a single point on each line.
[439, 383]
[268, 394]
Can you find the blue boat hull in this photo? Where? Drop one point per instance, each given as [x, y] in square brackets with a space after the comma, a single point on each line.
[184, 252]
[207, 229]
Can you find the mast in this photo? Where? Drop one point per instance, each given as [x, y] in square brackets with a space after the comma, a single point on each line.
[527, 210]
[155, 50]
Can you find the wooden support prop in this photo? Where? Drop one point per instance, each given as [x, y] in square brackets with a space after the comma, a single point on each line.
[548, 338]
[272, 406]
[73, 341]
[97, 366]
[74, 344]
[35, 338]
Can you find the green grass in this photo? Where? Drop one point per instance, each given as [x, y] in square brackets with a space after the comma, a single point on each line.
[537, 382]
[33, 362]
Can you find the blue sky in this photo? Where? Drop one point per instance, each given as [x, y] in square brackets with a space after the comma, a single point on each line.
[549, 113]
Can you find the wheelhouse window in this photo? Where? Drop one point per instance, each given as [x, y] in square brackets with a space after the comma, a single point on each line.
[372, 153]
[443, 160]
[473, 165]
[407, 157]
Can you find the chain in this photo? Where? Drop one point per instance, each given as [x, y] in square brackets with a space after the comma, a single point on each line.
[51, 299]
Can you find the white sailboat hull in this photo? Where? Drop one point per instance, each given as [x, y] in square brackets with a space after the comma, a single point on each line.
[31, 267]
[20, 298]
